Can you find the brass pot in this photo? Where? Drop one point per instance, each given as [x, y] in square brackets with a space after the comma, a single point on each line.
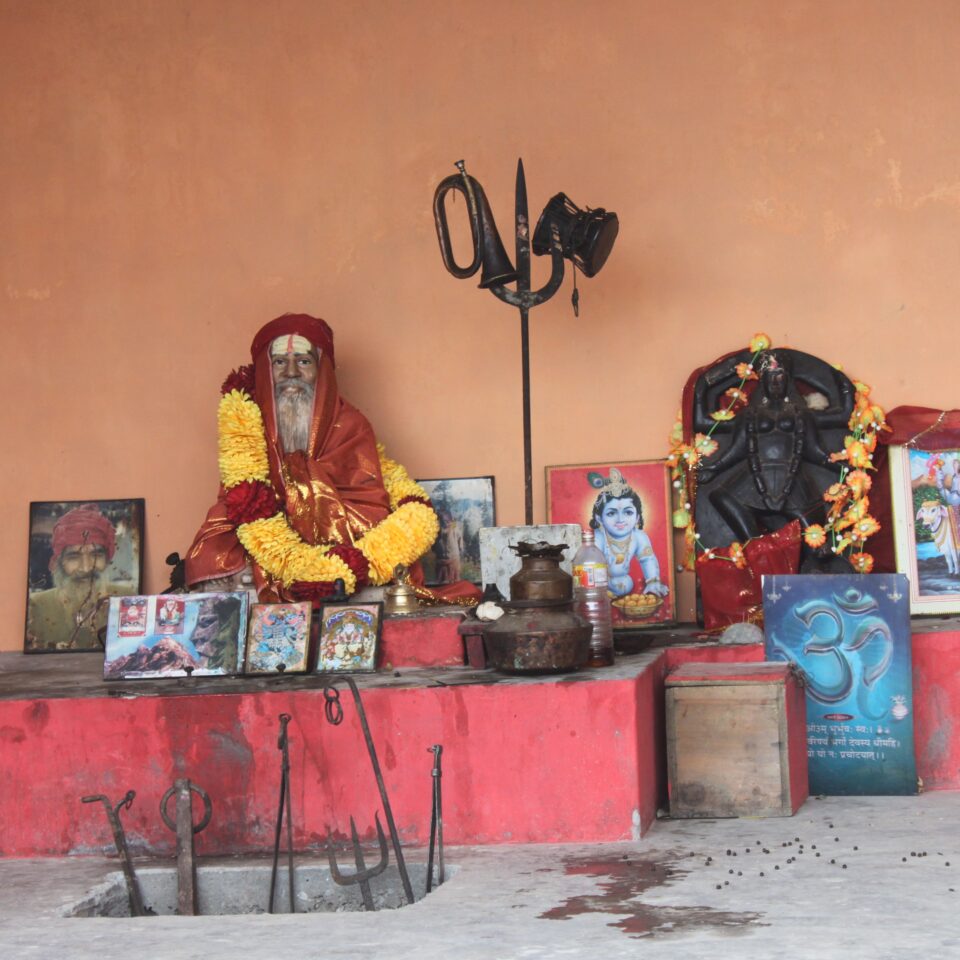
[539, 632]
[540, 577]
[538, 639]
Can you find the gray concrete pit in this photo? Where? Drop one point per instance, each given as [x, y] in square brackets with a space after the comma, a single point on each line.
[229, 887]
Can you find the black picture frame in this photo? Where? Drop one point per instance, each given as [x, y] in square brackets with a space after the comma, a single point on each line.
[80, 553]
[464, 505]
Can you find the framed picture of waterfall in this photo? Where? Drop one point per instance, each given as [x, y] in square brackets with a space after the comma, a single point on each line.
[925, 488]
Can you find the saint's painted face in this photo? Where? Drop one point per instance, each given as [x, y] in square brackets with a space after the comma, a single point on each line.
[293, 371]
[619, 517]
[293, 362]
[83, 562]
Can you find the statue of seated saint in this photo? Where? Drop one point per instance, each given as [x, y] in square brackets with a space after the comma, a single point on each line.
[308, 497]
[774, 464]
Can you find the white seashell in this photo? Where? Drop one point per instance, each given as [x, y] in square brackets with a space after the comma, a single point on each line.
[489, 611]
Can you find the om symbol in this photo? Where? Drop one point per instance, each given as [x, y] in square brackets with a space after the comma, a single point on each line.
[846, 644]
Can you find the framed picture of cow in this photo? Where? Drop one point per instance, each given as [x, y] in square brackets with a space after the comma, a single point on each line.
[925, 489]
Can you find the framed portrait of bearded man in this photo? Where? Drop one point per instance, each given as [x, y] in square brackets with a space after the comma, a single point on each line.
[81, 553]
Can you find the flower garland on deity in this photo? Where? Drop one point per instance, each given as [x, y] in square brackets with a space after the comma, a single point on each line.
[849, 523]
[265, 533]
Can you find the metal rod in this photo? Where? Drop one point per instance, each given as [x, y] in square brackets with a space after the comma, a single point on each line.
[523, 288]
[120, 842]
[290, 873]
[364, 883]
[436, 790]
[284, 804]
[527, 443]
[384, 799]
[363, 873]
[436, 821]
[186, 866]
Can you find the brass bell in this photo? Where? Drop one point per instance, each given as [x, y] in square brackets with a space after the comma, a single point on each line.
[400, 597]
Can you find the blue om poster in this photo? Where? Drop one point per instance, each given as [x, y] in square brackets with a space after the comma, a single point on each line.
[849, 635]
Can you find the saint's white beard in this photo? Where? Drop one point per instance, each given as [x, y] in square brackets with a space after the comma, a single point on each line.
[294, 412]
[77, 591]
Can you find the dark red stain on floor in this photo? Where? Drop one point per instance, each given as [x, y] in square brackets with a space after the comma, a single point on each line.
[625, 878]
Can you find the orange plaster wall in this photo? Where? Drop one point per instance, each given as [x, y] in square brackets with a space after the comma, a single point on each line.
[177, 172]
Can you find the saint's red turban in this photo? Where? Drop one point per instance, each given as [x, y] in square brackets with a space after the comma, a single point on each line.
[80, 526]
[314, 329]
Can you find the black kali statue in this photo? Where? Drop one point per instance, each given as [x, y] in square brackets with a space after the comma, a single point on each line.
[773, 463]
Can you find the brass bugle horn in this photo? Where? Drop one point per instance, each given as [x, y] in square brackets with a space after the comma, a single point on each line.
[488, 249]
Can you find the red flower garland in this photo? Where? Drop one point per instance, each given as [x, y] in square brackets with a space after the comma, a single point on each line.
[355, 560]
[239, 379]
[250, 500]
[312, 590]
[413, 499]
[318, 590]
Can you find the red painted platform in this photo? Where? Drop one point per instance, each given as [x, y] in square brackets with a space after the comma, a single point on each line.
[543, 759]
[421, 640]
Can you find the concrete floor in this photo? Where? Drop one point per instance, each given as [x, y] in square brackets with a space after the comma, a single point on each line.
[886, 884]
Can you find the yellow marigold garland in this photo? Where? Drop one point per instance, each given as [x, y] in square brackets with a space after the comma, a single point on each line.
[400, 539]
[242, 447]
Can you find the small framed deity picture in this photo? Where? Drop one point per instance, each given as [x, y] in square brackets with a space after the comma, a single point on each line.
[278, 638]
[82, 553]
[627, 503]
[464, 505]
[175, 635]
[348, 637]
[925, 488]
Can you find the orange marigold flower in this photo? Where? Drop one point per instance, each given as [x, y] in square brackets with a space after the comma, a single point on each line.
[676, 433]
[862, 562]
[745, 371]
[867, 526]
[867, 416]
[841, 522]
[705, 445]
[737, 555]
[735, 395]
[853, 516]
[859, 482]
[855, 453]
[815, 536]
[836, 493]
[759, 342]
[683, 456]
[722, 415]
[841, 545]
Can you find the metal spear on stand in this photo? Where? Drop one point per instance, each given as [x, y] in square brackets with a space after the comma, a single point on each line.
[585, 238]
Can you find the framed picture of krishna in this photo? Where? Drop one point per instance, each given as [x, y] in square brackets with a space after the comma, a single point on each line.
[925, 488]
[628, 506]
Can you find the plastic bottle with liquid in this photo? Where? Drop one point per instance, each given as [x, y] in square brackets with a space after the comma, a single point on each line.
[591, 599]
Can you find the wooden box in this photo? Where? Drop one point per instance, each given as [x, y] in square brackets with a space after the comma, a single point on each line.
[736, 740]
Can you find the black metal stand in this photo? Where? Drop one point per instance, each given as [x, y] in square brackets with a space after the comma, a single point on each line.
[525, 299]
